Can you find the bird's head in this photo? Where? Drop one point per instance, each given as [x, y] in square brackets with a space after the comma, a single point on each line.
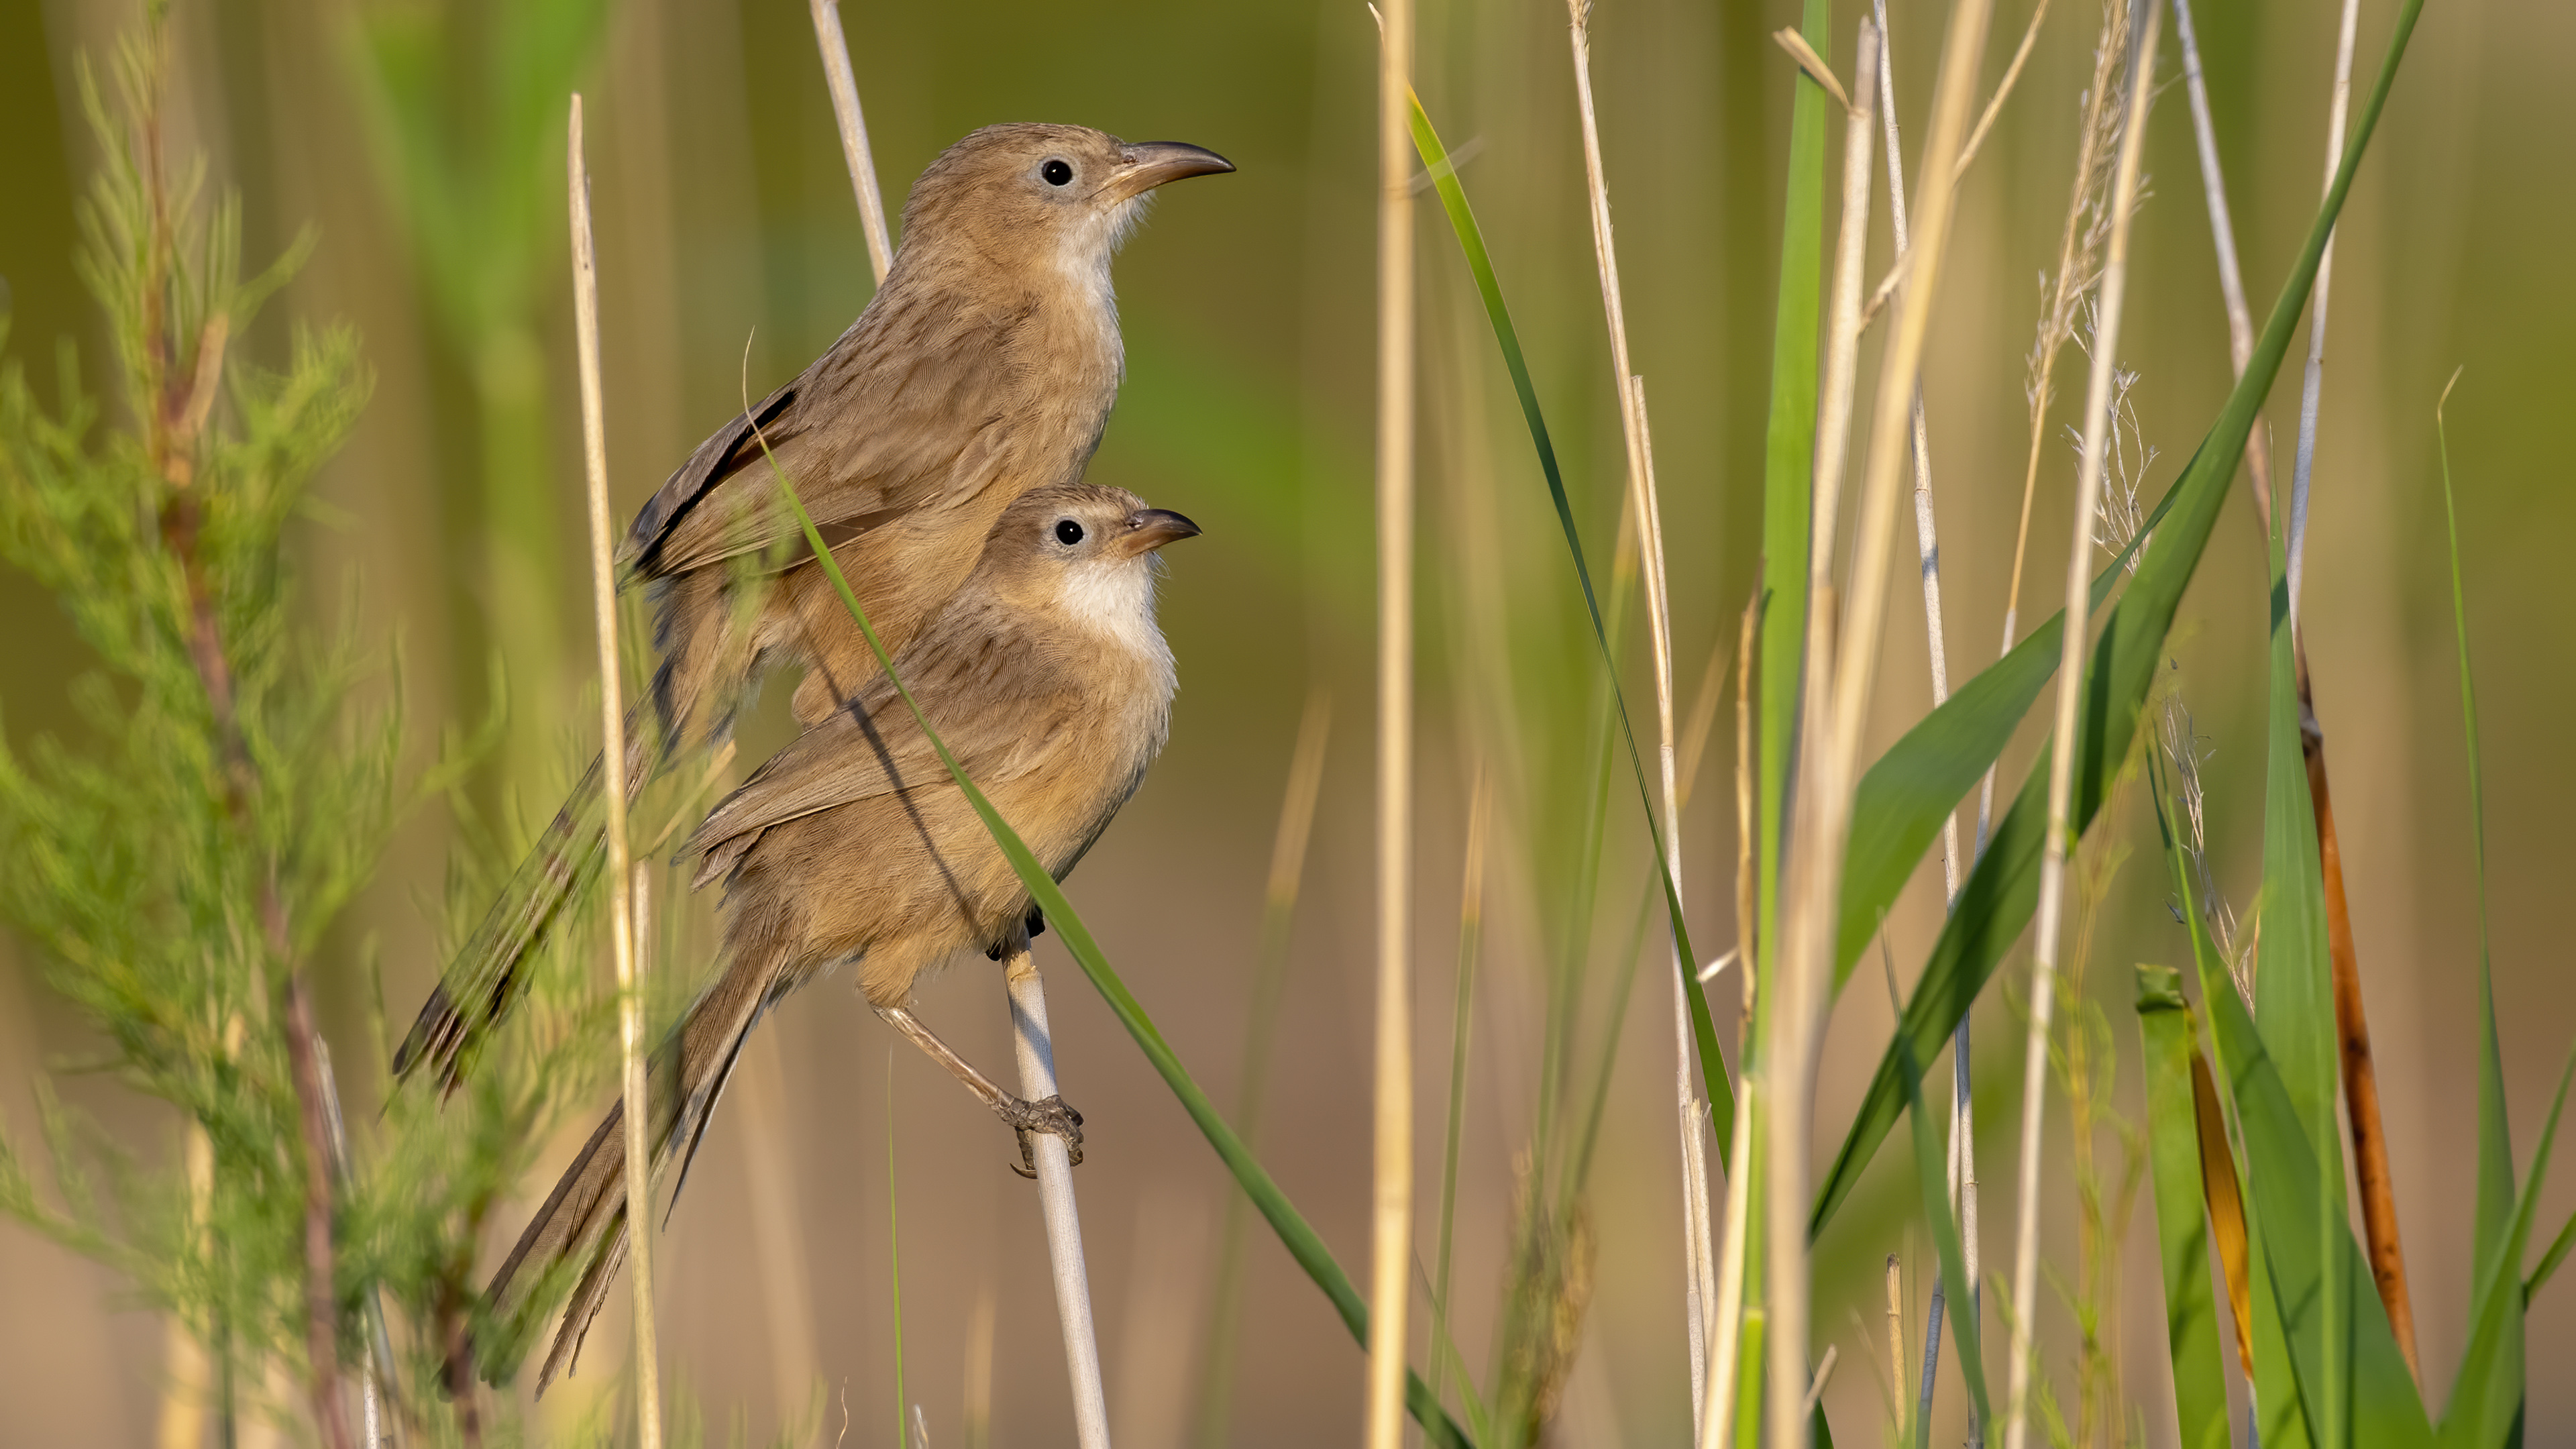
[1033, 195]
[1085, 552]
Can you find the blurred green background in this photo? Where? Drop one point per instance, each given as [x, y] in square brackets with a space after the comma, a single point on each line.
[424, 142]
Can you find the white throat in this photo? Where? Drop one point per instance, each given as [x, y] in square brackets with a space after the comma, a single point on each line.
[1114, 599]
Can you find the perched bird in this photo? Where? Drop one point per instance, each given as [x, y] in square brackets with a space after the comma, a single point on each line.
[984, 367]
[1049, 680]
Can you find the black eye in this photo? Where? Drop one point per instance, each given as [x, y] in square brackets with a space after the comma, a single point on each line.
[1068, 532]
[1056, 172]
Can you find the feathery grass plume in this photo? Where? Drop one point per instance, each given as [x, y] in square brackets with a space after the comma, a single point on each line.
[2180, 744]
[178, 868]
[2062, 290]
[2134, 97]
[2118, 515]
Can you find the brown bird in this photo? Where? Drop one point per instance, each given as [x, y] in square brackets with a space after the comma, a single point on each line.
[984, 367]
[1049, 681]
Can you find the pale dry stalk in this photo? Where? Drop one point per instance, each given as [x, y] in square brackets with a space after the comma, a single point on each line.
[1699, 1282]
[2076, 248]
[612, 710]
[1391, 1235]
[1727, 1313]
[2312, 386]
[1035, 1048]
[2138, 92]
[854, 132]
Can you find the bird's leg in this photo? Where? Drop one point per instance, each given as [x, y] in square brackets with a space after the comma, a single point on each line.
[1023, 1116]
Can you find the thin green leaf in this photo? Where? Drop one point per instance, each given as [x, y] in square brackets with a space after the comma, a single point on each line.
[1295, 1234]
[2488, 1394]
[2002, 890]
[2487, 1403]
[2182, 1226]
[2495, 1138]
[2294, 1004]
[2385, 1412]
[1471, 241]
[2559, 1247]
[1788, 466]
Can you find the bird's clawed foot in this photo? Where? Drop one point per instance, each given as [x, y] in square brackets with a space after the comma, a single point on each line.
[1050, 1115]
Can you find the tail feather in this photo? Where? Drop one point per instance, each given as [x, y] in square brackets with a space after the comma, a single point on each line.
[485, 979]
[585, 1220]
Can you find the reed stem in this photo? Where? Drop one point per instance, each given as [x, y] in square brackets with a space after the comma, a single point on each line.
[1036, 1051]
[854, 132]
[612, 712]
[1391, 1234]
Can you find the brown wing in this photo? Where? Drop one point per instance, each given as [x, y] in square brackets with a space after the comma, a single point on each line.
[901, 412]
[1003, 713]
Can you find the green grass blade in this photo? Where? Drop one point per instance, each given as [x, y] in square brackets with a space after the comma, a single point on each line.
[1788, 466]
[1295, 1234]
[2487, 1396]
[1902, 800]
[2495, 1139]
[2385, 1412]
[1931, 1179]
[2294, 1004]
[1471, 241]
[2182, 1225]
[2486, 1410]
[2559, 1248]
[2002, 890]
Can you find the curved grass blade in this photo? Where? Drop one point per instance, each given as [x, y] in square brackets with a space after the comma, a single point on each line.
[2385, 1410]
[1471, 240]
[1295, 1234]
[2001, 892]
[2182, 1229]
[2487, 1404]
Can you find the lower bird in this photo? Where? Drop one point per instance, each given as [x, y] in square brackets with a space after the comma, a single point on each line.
[1049, 680]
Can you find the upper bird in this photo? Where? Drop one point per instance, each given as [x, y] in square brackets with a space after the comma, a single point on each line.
[984, 367]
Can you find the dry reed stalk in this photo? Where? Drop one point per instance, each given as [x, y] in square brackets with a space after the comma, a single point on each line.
[1896, 1346]
[854, 132]
[1699, 1285]
[1391, 1233]
[2312, 386]
[1794, 1022]
[612, 711]
[1036, 1052]
[2076, 247]
[2138, 92]
[1833, 722]
[2371, 1169]
[1726, 1313]
[1962, 1147]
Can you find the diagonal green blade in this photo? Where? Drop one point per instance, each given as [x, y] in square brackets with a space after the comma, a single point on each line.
[1471, 240]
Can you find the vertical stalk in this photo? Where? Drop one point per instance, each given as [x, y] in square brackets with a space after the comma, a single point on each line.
[1963, 1146]
[2070, 699]
[1795, 1023]
[612, 710]
[1391, 1237]
[854, 132]
[1699, 1284]
[2312, 386]
[1036, 1051]
[2371, 1168]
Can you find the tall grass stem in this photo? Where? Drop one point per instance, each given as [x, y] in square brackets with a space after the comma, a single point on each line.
[854, 133]
[612, 711]
[1036, 1051]
[1698, 1282]
[2137, 94]
[1391, 1234]
[2312, 386]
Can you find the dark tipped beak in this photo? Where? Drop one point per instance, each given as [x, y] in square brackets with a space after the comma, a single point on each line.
[1149, 164]
[1151, 528]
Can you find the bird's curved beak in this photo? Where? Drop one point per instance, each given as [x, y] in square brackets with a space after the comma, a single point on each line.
[1150, 528]
[1145, 165]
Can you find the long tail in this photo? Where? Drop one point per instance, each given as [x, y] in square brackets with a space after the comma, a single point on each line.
[584, 1221]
